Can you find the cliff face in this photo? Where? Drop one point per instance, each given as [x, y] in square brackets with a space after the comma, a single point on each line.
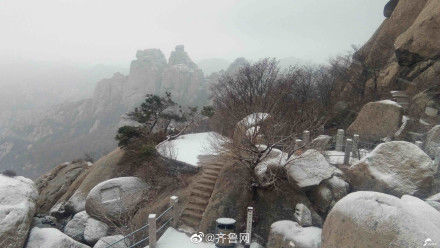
[34, 142]
[403, 54]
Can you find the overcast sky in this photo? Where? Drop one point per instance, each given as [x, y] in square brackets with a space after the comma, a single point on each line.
[110, 31]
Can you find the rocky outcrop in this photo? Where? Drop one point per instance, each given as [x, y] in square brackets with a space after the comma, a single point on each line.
[51, 238]
[434, 201]
[377, 120]
[95, 230]
[55, 184]
[309, 169]
[286, 234]
[395, 168]
[371, 219]
[389, 8]
[113, 199]
[328, 193]
[18, 196]
[420, 41]
[104, 169]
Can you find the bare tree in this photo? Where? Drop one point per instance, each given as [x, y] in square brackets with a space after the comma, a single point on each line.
[262, 110]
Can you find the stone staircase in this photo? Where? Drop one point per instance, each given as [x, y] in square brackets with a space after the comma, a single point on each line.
[401, 97]
[201, 191]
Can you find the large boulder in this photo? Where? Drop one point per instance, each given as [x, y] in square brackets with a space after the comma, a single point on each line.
[371, 219]
[51, 238]
[286, 234]
[396, 168]
[115, 198]
[309, 169]
[18, 196]
[432, 145]
[377, 120]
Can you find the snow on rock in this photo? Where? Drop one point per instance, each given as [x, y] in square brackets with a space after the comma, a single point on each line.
[116, 197]
[396, 167]
[393, 103]
[173, 239]
[302, 215]
[187, 148]
[105, 241]
[309, 169]
[51, 238]
[253, 119]
[76, 226]
[434, 201]
[337, 157]
[286, 233]
[95, 230]
[367, 219]
[18, 196]
[276, 158]
[377, 120]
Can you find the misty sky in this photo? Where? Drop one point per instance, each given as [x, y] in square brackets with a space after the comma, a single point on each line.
[110, 31]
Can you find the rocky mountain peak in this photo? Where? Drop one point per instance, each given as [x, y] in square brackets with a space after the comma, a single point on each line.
[179, 56]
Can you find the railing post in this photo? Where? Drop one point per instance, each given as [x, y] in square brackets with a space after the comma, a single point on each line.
[437, 157]
[250, 213]
[340, 140]
[356, 140]
[175, 215]
[152, 230]
[348, 147]
[306, 138]
[298, 144]
[419, 144]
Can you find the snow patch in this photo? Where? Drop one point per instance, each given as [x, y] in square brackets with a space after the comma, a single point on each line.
[187, 148]
[389, 102]
[254, 119]
[173, 238]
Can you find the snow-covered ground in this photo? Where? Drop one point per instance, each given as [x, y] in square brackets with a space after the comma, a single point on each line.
[187, 148]
[175, 239]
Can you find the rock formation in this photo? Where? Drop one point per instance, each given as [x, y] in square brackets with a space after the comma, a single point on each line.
[18, 196]
[370, 219]
[396, 168]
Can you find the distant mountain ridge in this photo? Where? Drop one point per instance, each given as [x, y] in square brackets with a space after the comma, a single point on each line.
[34, 142]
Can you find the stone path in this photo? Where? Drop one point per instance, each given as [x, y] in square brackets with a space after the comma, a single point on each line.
[201, 191]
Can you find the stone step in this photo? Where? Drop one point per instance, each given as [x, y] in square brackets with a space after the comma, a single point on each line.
[203, 201]
[214, 167]
[195, 208]
[193, 214]
[201, 194]
[189, 221]
[210, 177]
[203, 187]
[208, 181]
[211, 172]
